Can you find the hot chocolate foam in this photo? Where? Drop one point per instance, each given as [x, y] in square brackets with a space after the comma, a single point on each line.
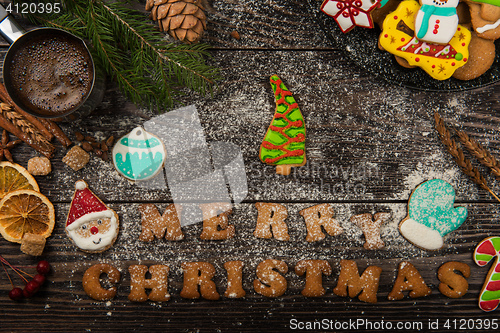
[51, 74]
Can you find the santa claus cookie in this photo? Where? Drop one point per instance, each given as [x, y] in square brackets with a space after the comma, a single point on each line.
[91, 225]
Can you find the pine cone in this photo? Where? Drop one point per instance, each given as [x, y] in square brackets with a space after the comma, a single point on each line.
[182, 19]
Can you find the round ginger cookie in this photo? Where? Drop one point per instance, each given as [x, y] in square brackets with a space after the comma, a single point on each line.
[481, 57]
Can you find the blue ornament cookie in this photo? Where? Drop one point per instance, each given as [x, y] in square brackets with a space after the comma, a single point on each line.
[139, 155]
[431, 215]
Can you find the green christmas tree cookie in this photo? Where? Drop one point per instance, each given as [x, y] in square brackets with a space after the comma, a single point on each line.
[284, 143]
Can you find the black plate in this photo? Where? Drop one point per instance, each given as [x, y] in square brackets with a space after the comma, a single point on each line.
[360, 45]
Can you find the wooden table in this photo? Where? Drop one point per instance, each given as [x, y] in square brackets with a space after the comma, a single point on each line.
[369, 144]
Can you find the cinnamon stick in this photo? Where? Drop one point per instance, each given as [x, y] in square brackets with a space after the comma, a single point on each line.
[4, 96]
[56, 131]
[47, 150]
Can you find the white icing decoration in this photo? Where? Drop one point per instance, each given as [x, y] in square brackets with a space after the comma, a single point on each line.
[420, 235]
[488, 27]
[103, 240]
[120, 148]
[446, 50]
[80, 185]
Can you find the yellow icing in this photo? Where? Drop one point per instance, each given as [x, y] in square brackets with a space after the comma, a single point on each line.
[392, 39]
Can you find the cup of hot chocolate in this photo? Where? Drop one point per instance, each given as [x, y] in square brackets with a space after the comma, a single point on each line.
[49, 72]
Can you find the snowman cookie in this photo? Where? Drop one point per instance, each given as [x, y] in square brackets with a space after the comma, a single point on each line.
[139, 155]
[436, 21]
[91, 225]
[431, 215]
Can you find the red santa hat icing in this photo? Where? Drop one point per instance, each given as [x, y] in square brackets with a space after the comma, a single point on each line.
[85, 207]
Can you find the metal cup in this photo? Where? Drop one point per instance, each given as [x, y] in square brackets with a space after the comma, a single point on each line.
[18, 38]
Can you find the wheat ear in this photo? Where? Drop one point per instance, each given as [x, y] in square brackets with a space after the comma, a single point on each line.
[458, 155]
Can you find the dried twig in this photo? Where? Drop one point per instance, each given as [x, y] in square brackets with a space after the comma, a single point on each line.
[458, 155]
[479, 152]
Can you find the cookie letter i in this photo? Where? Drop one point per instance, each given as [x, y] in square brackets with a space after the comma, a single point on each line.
[284, 143]
[484, 253]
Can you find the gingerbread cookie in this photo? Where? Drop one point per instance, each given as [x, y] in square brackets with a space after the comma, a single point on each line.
[371, 228]
[431, 215]
[91, 225]
[408, 279]
[452, 284]
[439, 61]
[92, 285]
[139, 155]
[284, 142]
[436, 21]
[487, 251]
[350, 283]
[485, 18]
[348, 13]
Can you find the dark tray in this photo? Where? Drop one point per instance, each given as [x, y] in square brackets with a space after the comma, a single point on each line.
[360, 45]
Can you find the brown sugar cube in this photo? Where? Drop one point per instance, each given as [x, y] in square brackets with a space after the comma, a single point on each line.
[76, 158]
[39, 166]
[32, 244]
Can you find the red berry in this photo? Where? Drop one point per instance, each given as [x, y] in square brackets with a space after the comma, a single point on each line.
[43, 267]
[16, 294]
[32, 287]
[26, 294]
[39, 278]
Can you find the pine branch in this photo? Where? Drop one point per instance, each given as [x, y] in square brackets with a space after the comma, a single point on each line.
[148, 70]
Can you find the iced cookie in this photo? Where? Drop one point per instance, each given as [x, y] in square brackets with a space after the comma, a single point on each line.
[139, 155]
[439, 61]
[348, 13]
[489, 250]
[485, 18]
[431, 215]
[436, 21]
[91, 225]
[284, 143]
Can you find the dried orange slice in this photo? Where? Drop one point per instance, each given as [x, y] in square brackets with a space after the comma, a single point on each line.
[25, 211]
[15, 177]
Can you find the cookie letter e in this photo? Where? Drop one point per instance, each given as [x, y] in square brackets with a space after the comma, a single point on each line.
[431, 215]
[91, 225]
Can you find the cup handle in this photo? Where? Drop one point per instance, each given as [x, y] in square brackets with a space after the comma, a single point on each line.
[9, 28]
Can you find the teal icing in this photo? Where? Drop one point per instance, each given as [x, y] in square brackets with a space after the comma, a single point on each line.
[431, 204]
[139, 168]
[149, 143]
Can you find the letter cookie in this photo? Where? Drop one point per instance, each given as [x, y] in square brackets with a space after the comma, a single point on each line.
[431, 215]
[270, 282]
[199, 274]
[91, 225]
[92, 285]
[365, 285]
[284, 142]
[371, 228]
[158, 283]
[452, 284]
[271, 216]
[320, 216]
[314, 270]
[408, 279]
[155, 225]
[487, 251]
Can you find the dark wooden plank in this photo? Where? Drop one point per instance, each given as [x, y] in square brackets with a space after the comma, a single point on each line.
[366, 140]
